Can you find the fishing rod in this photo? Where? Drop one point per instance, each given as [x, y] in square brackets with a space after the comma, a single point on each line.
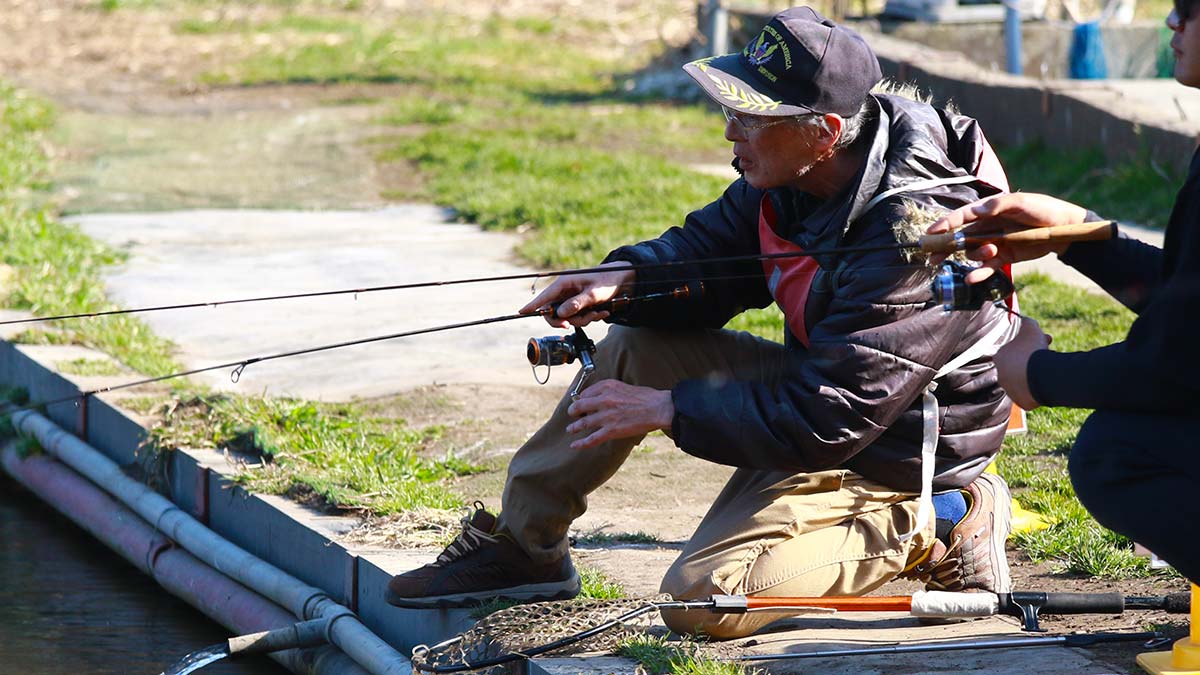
[239, 366]
[526, 631]
[950, 286]
[1149, 640]
[944, 243]
[1025, 605]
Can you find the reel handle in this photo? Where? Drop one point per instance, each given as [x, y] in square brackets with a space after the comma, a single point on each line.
[950, 242]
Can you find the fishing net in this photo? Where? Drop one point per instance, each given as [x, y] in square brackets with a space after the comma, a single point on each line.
[566, 627]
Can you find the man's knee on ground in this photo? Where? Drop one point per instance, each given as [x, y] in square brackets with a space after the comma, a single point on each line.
[703, 624]
[684, 583]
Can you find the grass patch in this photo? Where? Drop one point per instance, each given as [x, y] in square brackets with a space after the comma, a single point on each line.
[35, 336]
[606, 538]
[1136, 190]
[56, 268]
[657, 656]
[1035, 463]
[598, 586]
[88, 367]
[288, 23]
[522, 128]
[336, 455]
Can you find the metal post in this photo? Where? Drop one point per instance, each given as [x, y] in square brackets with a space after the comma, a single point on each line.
[718, 28]
[1012, 36]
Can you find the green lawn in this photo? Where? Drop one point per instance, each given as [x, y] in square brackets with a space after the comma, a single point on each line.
[55, 269]
[1035, 464]
[1138, 191]
[342, 455]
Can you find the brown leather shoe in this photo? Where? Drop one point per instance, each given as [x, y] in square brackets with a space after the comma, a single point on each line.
[974, 558]
[482, 564]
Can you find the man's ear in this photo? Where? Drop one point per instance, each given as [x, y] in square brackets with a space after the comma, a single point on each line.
[832, 131]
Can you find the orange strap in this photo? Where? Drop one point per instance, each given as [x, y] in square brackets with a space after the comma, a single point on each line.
[892, 603]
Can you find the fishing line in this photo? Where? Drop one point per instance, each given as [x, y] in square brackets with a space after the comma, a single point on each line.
[937, 243]
[942, 243]
[238, 367]
[434, 284]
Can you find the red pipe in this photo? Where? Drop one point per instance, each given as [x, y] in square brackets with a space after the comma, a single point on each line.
[179, 572]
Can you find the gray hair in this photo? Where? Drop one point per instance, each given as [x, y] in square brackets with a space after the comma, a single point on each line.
[852, 127]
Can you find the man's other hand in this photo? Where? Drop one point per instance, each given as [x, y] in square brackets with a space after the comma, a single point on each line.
[576, 292]
[1007, 213]
[611, 409]
[1012, 362]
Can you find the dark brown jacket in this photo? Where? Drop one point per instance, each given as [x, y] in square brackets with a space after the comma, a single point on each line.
[877, 338]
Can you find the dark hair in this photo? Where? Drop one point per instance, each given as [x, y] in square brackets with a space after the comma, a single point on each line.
[1184, 8]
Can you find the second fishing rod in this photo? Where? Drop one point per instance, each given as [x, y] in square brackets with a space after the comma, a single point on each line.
[945, 243]
[949, 288]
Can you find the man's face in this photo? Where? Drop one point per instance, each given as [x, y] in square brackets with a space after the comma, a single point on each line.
[1186, 45]
[772, 152]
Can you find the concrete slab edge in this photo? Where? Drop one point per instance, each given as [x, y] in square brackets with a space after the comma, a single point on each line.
[289, 536]
[1017, 110]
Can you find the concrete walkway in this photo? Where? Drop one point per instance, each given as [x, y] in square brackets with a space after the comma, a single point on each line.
[209, 255]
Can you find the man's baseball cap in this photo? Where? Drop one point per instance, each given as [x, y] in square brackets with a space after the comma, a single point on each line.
[800, 63]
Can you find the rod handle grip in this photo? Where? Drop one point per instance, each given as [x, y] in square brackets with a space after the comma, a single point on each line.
[1063, 603]
[949, 242]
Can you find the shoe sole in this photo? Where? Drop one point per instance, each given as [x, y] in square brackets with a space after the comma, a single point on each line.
[1003, 504]
[557, 590]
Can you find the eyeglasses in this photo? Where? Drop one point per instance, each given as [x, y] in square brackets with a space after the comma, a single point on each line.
[747, 124]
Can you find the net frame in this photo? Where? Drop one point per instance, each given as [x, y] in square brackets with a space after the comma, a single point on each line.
[562, 627]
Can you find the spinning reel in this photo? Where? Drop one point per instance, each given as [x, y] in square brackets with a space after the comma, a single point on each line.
[950, 288]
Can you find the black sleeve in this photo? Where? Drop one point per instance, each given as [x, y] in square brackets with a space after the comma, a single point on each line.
[877, 349]
[1128, 269]
[1114, 377]
[1154, 369]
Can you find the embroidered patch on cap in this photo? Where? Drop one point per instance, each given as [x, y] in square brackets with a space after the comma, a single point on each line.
[742, 98]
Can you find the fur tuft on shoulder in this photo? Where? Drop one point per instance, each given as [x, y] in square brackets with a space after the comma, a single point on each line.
[911, 224]
[911, 92]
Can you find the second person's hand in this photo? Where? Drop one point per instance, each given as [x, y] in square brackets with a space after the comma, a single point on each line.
[1005, 214]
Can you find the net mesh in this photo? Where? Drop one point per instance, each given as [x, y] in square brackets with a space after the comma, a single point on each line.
[524, 627]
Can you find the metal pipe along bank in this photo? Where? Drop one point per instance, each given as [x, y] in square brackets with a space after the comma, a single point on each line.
[302, 600]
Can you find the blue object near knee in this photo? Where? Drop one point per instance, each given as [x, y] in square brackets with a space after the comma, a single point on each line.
[951, 506]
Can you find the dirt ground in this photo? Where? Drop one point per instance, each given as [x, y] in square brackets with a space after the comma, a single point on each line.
[129, 64]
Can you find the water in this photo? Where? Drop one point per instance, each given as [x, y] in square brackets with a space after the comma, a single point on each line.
[69, 606]
[197, 660]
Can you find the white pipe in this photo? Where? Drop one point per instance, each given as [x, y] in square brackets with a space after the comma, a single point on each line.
[306, 602]
[179, 572]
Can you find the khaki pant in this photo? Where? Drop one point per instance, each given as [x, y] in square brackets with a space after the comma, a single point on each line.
[769, 533]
